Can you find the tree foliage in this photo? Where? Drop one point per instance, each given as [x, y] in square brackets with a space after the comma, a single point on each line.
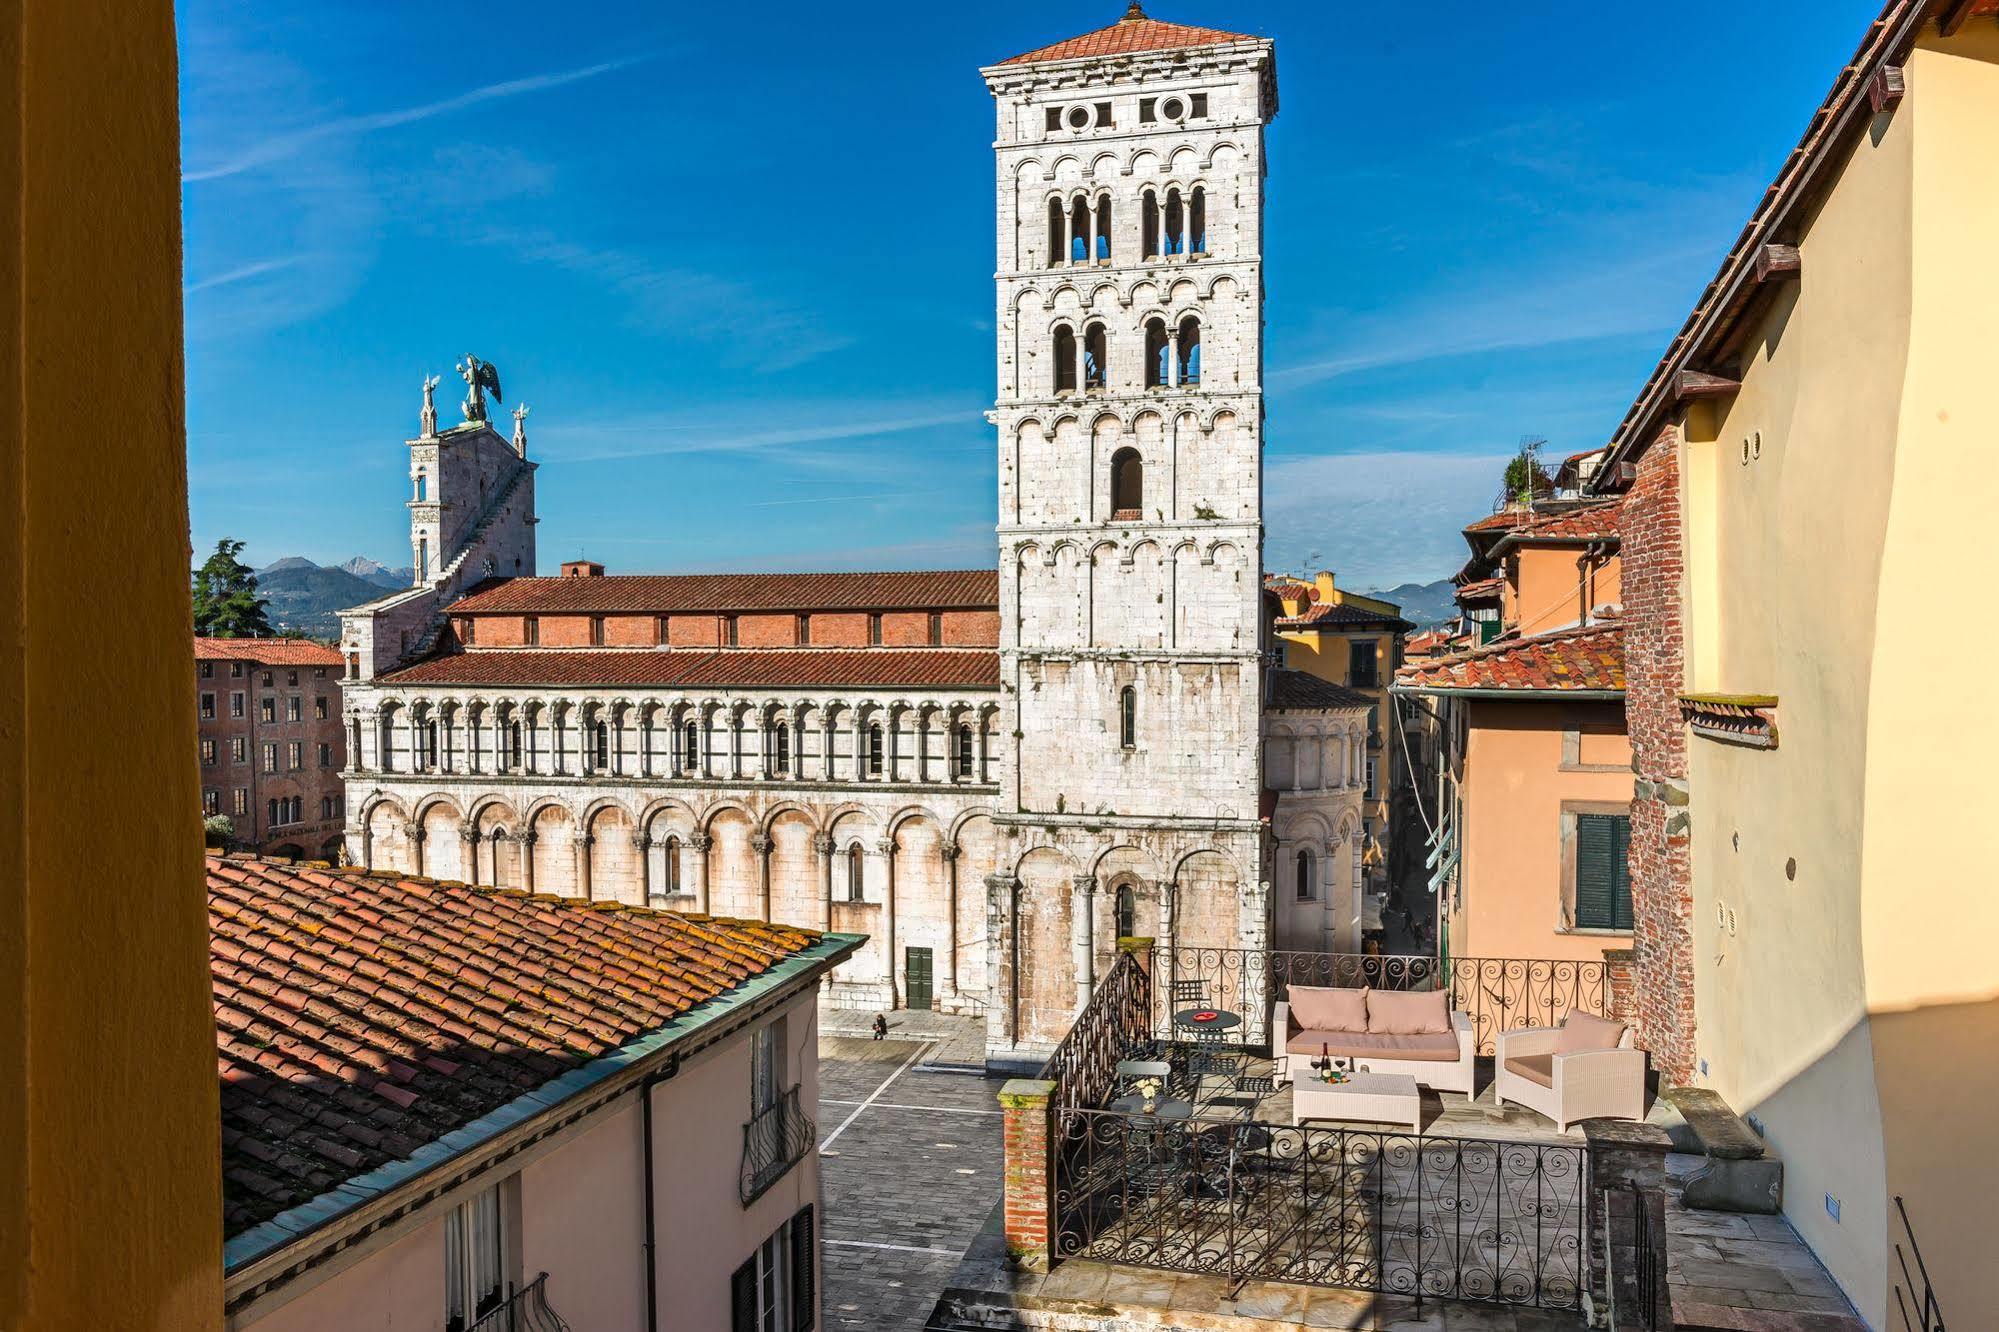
[226, 604]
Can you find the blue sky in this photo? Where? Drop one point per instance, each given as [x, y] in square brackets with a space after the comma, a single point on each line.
[739, 259]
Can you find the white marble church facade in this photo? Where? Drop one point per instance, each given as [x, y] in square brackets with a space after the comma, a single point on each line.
[991, 773]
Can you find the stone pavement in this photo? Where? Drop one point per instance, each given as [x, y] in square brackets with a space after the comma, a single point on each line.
[1745, 1273]
[955, 1042]
[910, 1168]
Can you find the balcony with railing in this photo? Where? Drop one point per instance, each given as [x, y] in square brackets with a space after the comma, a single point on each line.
[526, 1310]
[774, 1140]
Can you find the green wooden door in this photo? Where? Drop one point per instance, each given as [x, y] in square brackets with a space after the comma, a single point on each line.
[916, 977]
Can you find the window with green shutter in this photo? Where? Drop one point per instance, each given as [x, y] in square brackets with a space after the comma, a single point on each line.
[1603, 874]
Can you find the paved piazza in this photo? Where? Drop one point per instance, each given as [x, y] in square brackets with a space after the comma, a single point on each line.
[911, 1169]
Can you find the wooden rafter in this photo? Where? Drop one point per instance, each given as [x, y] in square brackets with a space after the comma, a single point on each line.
[1777, 261]
[1886, 88]
[1700, 384]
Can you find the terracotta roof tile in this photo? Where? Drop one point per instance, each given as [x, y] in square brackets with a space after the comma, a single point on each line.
[359, 1016]
[1334, 614]
[1302, 689]
[1582, 522]
[659, 594]
[1484, 589]
[1132, 33]
[739, 668]
[266, 651]
[1586, 658]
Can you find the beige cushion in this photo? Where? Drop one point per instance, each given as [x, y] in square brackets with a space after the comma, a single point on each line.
[1409, 1012]
[1534, 1068]
[1372, 1045]
[1582, 1032]
[1325, 1008]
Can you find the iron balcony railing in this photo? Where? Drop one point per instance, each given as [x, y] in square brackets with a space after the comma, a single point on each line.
[1115, 1024]
[1915, 1298]
[1497, 993]
[526, 1310]
[774, 1140]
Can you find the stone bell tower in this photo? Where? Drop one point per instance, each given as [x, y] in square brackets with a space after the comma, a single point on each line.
[1130, 165]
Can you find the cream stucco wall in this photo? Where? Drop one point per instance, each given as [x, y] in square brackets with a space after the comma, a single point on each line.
[576, 1211]
[1512, 801]
[1845, 982]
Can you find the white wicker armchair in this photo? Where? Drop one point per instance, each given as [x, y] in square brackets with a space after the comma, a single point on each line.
[1587, 1084]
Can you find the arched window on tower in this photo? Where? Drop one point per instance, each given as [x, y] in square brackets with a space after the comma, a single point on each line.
[1065, 359]
[1176, 223]
[1103, 226]
[1127, 912]
[1190, 350]
[1148, 225]
[1155, 353]
[1127, 717]
[1096, 355]
[422, 486]
[1079, 231]
[857, 877]
[1197, 221]
[1127, 485]
[1304, 876]
[1055, 232]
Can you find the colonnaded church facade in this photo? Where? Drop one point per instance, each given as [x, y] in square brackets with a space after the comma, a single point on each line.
[992, 773]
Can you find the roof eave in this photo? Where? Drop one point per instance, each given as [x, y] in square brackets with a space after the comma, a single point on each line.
[1523, 695]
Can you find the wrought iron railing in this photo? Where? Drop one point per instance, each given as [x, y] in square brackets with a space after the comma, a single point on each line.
[1115, 1024]
[1456, 1218]
[526, 1310]
[1914, 1296]
[1498, 993]
[774, 1140]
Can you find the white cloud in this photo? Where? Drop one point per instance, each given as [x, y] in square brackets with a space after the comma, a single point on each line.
[1376, 519]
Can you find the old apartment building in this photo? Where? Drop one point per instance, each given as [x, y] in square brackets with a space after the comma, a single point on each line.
[992, 773]
[272, 747]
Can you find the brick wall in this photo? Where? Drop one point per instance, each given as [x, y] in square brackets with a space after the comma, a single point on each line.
[1024, 1138]
[1654, 653]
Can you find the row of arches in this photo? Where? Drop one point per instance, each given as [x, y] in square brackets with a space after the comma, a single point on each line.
[1172, 357]
[898, 741]
[1171, 470]
[1142, 595]
[1125, 291]
[908, 877]
[1149, 160]
[1319, 876]
[1173, 221]
[1300, 756]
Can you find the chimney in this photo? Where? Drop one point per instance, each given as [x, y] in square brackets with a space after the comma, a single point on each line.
[582, 569]
[1323, 580]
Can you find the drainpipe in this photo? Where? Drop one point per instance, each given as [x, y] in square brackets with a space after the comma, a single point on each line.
[672, 1070]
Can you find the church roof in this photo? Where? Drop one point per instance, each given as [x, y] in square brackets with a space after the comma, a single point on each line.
[659, 594]
[1291, 689]
[711, 668]
[1132, 33]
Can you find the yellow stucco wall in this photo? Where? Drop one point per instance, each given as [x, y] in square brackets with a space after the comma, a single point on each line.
[1546, 587]
[1842, 938]
[1512, 800]
[110, 1209]
[1328, 656]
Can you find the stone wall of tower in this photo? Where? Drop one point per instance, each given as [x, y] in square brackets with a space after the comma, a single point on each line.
[1113, 578]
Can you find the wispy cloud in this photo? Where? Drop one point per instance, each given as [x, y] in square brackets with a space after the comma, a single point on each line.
[665, 438]
[277, 147]
[1377, 519]
[241, 273]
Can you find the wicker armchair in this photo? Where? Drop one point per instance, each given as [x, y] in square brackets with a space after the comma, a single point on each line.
[1587, 1084]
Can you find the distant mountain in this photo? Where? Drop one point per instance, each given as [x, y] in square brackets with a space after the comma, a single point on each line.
[1424, 604]
[381, 575]
[305, 598]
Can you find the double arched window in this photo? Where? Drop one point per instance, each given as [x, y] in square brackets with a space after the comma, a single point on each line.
[1172, 355]
[1127, 485]
[1085, 361]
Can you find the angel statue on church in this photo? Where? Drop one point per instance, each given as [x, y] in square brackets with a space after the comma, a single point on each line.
[479, 376]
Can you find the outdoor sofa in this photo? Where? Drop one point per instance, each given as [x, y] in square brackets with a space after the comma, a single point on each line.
[1383, 1031]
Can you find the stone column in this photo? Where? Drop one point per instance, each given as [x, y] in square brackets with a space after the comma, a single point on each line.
[1173, 357]
[949, 852]
[829, 730]
[1626, 1228]
[823, 845]
[413, 834]
[1082, 913]
[697, 846]
[1169, 894]
[642, 844]
[584, 841]
[526, 837]
[468, 832]
[760, 843]
[1024, 1135]
[886, 849]
[1002, 948]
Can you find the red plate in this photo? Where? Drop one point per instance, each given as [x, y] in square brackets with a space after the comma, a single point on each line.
[1206, 1015]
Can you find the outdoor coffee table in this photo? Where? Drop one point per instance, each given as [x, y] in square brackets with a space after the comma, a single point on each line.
[1383, 1098]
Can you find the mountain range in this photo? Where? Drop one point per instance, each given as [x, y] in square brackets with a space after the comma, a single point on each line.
[1423, 604]
[306, 598]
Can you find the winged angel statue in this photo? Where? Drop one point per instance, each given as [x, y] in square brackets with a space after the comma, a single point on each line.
[479, 376]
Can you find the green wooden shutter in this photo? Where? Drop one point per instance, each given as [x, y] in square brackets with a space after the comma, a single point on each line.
[804, 1304]
[1603, 875]
[743, 1297]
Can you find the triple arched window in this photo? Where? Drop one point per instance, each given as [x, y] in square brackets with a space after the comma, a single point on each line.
[1079, 232]
[1173, 223]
